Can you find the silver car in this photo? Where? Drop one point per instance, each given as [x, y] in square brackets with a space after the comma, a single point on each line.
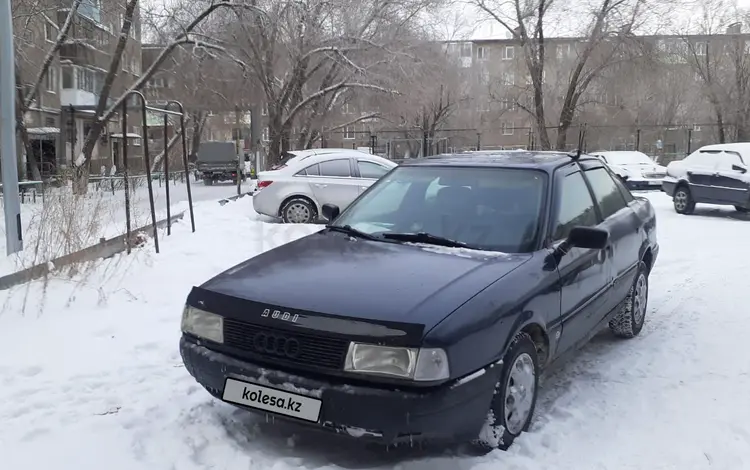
[296, 189]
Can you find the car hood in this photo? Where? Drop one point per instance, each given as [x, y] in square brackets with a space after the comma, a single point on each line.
[332, 273]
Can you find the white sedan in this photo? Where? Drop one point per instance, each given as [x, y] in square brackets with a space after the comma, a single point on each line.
[636, 169]
[296, 189]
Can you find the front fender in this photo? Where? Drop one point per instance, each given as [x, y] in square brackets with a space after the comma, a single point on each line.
[479, 332]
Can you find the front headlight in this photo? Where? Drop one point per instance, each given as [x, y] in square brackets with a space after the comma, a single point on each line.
[424, 364]
[203, 324]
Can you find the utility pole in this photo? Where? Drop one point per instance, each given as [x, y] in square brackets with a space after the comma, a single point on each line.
[8, 157]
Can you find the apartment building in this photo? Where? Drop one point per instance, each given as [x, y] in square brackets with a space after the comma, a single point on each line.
[61, 116]
[653, 81]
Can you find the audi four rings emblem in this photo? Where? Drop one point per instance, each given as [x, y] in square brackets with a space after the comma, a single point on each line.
[278, 345]
[279, 315]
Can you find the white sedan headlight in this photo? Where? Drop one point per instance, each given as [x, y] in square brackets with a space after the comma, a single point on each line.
[424, 364]
[203, 324]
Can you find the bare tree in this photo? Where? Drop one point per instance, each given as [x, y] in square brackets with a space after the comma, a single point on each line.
[606, 39]
[435, 88]
[107, 106]
[720, 58]
[31, 18]
[305, 56]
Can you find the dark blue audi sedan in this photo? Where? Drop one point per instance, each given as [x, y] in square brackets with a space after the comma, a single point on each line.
[428, 308]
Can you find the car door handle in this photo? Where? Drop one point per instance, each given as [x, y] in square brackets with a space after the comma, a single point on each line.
[321, 185]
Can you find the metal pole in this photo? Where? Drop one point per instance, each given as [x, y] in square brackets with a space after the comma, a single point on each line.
[185, 162]
[11, 202]
[689, 141]
[638, 140]
[238, 145]
[147, 161]
[166, 172]
[125, 173]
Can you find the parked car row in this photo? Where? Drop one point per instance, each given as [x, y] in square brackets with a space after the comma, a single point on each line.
[428, 308]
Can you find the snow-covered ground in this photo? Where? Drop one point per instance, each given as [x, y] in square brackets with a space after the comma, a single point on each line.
[63, 224]
[90, 374]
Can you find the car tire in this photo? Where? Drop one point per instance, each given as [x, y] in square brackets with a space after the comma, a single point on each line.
[742, 210]
[629, 321]
[502, 427]
[683, 200]
[298, 211]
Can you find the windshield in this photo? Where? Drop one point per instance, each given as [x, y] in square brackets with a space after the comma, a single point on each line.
[628, 158]
[494, 209]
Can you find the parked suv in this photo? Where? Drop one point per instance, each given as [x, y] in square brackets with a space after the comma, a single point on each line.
[713, 174]
[428, 309]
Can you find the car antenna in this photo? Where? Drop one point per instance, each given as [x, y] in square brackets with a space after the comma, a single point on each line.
[576, 154]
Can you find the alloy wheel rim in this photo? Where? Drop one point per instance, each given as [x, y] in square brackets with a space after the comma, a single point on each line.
[640, 297]
[680, 200]
[519, 393]
[297, 213]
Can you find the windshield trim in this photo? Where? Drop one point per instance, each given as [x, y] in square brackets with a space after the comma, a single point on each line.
[538, 241]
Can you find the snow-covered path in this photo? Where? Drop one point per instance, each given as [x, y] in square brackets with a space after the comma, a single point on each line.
[93, 378]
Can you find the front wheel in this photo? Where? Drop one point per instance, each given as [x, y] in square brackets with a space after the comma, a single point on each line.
[683, 201]
[513, 404]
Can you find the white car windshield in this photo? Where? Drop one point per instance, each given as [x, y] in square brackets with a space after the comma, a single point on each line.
[628, 158]
[493, 209]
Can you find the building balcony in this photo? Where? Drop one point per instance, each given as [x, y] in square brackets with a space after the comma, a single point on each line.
[75, 97]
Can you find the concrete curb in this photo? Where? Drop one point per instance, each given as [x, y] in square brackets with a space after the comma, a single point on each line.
[102, 250]
[234, 198]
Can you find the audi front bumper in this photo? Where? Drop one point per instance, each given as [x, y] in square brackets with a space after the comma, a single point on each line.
[450, 413]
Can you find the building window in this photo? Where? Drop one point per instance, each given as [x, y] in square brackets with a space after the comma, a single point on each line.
[67, 77]
[466, 50]
[700, 48]
[508, 53]
[509, 78]
[51, 80]
[266, 136]
[481, 53]
[484, 78]
[508, 128]
[264, 109]
[346, 109]
[50, 32]
[508, 105]
[49, 122]
[349, 133]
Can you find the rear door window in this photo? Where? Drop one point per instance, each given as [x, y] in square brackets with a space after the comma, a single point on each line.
[336, 168]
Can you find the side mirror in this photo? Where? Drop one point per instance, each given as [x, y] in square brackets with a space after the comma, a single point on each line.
[330, 211]
[588, 237]
[739, 168]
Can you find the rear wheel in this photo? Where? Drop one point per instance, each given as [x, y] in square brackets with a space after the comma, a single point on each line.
[208, 181]
[628, 322]
[513, 404]
[743, 210]
[298, 211]
[683, 200]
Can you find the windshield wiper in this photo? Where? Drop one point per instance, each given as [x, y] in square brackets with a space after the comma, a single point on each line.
[349, 230]
[424, 237]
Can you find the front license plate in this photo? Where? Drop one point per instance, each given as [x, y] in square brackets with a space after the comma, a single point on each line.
[271, 399]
